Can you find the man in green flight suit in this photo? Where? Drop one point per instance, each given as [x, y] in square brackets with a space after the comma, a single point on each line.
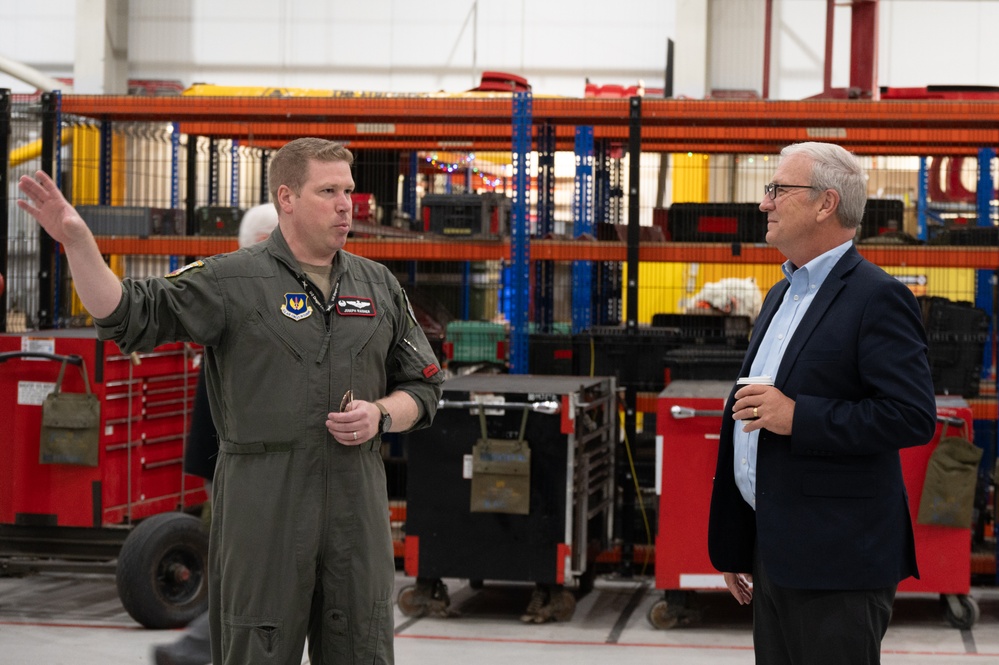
[311, 354]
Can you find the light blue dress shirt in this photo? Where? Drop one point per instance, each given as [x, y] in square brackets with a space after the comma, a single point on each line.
[805, 283]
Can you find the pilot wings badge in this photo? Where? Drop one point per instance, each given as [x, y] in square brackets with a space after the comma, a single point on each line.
[296, 306]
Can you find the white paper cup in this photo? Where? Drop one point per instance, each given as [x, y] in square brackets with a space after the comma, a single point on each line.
[757, 381]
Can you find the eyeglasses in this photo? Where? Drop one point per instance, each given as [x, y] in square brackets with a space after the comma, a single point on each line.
[771, 189]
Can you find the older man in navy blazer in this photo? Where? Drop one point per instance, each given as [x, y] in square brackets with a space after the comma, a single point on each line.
[809, 515]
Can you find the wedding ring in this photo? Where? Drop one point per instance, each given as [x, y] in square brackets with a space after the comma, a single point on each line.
[756, 414]
[355, 436]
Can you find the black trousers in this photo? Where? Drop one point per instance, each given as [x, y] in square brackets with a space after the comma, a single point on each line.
[818, 627]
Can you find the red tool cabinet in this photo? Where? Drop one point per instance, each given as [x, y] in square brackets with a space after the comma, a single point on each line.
[73, 516]
[688, 418]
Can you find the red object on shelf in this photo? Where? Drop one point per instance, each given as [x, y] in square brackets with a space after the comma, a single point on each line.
[502, 82]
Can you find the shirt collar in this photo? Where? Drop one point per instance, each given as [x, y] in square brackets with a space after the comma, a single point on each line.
[818, 268]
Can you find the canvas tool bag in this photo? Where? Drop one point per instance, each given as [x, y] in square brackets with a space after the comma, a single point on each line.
[501, 472]
[70, 424]
[949, 486]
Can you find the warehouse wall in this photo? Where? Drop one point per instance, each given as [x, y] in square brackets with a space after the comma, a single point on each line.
[400, 46]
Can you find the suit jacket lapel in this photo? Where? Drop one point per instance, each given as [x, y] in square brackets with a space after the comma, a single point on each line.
[832, 285]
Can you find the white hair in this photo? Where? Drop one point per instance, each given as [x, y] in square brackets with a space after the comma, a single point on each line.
[257, 223]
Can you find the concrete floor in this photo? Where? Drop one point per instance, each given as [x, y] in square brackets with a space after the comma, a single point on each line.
[77, 619]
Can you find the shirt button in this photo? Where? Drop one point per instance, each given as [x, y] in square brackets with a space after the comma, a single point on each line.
[743, 461]
[796, 298]
[780, 336]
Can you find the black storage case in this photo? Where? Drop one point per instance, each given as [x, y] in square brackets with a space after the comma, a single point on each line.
[882, 216]
[218, 220]
[956, 335]
[703, 363]
[717, 222]
[464, 215]
[634, 358]
[551, 353]
[698, 328]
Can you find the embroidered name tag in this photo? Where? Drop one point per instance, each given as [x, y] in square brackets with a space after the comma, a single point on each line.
[296, 306]
[354, 306]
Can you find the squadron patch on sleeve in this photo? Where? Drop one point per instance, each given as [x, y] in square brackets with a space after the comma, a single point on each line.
[183, 269]
[355, 306]
[296, 306]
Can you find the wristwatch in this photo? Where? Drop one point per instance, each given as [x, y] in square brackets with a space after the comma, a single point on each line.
[385, 423]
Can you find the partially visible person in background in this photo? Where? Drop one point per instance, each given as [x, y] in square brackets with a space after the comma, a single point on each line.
[194, 646]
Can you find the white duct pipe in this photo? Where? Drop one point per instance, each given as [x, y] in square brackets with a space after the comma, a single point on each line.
[32, 76]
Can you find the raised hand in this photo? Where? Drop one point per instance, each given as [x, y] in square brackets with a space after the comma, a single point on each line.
[98, 287]
[51, 209]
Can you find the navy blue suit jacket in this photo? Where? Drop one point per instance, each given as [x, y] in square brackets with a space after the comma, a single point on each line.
[831, 508]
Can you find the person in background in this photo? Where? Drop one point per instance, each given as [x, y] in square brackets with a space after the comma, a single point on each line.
[809, 516]
[194, 646]
[311, 353]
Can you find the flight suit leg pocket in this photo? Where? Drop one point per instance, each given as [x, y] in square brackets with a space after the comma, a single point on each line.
[338, 639]
[252, 640]
[380, 633]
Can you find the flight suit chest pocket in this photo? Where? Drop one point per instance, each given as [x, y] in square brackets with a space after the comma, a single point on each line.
[268, 383]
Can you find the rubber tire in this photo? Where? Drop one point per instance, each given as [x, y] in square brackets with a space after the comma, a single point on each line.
[143, 575]
[969, 615]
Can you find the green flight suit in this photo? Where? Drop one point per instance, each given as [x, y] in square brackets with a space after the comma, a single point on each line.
[300, 537]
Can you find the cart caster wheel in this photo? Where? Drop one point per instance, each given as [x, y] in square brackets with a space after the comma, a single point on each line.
[674, 610]
[661, 616]
[162, 571]
[409, 604]
[563, 605]
[426, 597]
[475, 585]
[961, 611]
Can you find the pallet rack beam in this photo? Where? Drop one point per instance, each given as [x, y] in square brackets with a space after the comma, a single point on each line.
[434, 249]
[902, 127]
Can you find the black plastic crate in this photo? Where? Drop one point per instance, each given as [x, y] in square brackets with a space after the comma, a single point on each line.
[703, 363]
[956, 334]
[218, 220]
[551, 353]
[141, 221]
[882, 216]
[961, 234]
[635, 358]
[465, 215]
[717, 222]
[698, 328]
[956, 368]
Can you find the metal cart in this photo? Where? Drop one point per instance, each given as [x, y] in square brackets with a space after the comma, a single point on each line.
[688, 418]
[544, 522]
[121, 510]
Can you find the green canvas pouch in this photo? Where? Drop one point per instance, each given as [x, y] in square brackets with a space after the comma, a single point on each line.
[70, 424]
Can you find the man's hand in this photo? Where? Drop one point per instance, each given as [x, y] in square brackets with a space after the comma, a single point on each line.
[763, 407]
[51, 209]
[741, 586]
[98, 287]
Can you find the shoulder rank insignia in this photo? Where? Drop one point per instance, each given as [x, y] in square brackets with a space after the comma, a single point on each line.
[296, 306]
[183, 269]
